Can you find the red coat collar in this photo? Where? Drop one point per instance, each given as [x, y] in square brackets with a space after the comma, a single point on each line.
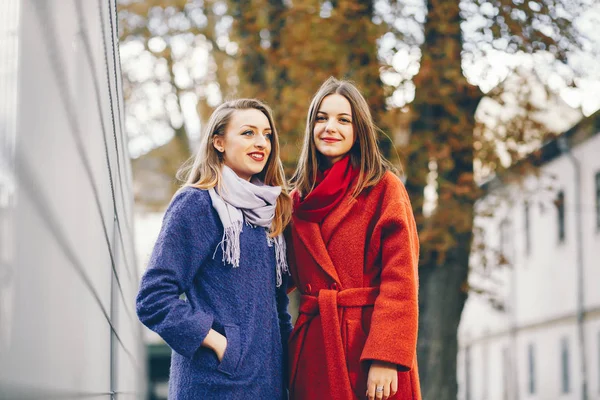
[316, 237]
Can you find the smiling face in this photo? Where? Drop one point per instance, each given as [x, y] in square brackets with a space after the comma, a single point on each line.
[333, 131]
[246, 144]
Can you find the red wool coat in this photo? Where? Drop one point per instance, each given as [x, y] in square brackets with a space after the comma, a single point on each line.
[357, 275]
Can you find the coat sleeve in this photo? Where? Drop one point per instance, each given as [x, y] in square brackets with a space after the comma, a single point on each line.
[186, 240]
[285, 321]
[394, 324]
[291, 258]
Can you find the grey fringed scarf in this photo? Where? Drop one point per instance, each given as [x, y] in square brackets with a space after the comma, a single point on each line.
[253, 201]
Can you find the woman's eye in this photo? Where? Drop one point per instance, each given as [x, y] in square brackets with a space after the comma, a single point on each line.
[269, 136]
[345, 120]
[321, 118]
[248, 133]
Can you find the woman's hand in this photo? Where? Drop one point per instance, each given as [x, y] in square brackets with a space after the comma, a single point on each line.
[382, 375]
[216, 342]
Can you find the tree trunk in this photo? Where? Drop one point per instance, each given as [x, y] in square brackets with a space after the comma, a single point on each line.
[442, 131]
[180, 133]
[441, 304]
[363, 63]
[252, 64]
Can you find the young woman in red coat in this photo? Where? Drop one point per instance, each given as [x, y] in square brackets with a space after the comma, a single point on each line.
[354, 252]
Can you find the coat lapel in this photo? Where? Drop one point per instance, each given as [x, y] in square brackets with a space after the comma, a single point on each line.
[310, 235]
[336, 216]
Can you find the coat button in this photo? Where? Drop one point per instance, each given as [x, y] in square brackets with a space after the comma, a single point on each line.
[308, 288]
[333, 286]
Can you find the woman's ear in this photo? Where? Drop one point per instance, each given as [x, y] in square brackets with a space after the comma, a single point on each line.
[218, 143]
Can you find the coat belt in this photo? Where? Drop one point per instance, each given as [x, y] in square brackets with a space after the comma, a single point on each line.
[326, 304]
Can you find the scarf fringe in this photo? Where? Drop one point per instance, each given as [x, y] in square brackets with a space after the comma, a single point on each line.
[230, 244]
[280, 256]
[233, 219]
[230, 247]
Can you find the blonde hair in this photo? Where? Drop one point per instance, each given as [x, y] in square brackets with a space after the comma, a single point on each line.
[364, 154]
[203, 170]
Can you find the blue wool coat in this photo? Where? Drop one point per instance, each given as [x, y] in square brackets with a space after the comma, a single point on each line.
[241, 303]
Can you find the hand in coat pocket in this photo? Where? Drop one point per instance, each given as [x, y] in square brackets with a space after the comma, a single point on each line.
[220, 348]
[232, 352]
[216, 342]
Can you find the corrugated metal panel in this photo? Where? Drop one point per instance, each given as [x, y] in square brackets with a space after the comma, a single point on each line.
[67, 320]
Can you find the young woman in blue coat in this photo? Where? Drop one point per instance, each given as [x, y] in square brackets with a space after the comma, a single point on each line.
[221, 245]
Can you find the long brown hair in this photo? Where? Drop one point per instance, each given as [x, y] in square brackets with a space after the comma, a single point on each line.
[203, 171]
[364, 154]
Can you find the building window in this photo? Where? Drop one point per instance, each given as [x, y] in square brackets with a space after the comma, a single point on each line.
[598, 201]
[485, 370]
[531, 362]
[566, 384]
[560, 208]
[506, 371]
[527, 218]
[468, 373]
[506, 242]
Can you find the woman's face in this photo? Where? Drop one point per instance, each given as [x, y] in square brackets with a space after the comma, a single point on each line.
[333, 132]
[246, 144]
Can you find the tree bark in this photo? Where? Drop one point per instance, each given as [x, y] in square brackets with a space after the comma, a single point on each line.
[252, 67]
[442, 131]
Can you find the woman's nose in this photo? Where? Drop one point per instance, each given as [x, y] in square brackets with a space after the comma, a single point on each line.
[330, 127]
[261, 141]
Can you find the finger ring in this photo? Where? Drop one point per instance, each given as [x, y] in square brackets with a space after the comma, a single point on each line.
[379, 389]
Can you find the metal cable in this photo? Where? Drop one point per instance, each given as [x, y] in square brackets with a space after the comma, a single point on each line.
[59, 74]
[114, 127]
[120, 98]
[90, 59]
[116, 63]
[116, 57]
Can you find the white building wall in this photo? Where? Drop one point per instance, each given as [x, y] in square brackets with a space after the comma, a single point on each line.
[592, 332]
[548, 376]
[539, 290]
[590, 160]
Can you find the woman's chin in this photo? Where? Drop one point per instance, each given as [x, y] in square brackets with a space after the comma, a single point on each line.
[331, 154]
[255, 170]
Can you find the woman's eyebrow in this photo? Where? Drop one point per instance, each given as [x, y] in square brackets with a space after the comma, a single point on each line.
[254, 127]
[324, 112]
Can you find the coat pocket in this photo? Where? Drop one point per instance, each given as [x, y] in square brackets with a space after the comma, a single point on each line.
[231, 358]
[355, 342]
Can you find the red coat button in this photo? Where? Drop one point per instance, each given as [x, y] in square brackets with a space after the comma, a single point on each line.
[333, 286]
[308, 288]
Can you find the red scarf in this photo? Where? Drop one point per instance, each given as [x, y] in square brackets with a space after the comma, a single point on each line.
[332, 186]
